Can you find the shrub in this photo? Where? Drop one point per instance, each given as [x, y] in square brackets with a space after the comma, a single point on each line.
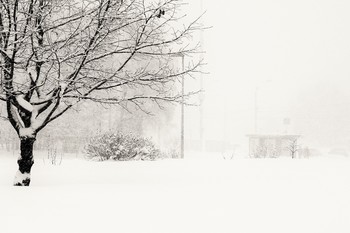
[265, 151]
[119, 146]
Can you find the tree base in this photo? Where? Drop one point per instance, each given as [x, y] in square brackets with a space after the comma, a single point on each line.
[22, 179]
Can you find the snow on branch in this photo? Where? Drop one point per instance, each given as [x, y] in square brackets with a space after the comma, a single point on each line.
[23, 103]
[95, 50]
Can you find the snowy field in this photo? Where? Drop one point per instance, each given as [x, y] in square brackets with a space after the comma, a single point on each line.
[178, 196]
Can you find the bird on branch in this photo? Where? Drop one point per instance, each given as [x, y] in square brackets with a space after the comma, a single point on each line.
[160, 13]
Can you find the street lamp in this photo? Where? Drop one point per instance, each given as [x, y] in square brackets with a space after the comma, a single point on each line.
[201, 95]
[182, 107]
[182, 134]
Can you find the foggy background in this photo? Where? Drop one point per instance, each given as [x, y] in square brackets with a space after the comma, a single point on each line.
[293, 55]
[273, 67]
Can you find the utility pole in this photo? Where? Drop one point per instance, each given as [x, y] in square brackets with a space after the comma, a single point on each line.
[182, 120]
[183, 107]
[201, 95]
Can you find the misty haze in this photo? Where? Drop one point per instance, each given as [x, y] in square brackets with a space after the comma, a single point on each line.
[174, 116]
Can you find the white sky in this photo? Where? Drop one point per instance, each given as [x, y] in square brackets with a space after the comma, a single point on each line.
[302, 47]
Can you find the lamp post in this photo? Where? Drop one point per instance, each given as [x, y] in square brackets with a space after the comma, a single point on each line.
[182, 107]
[182, 133]
[201, 95]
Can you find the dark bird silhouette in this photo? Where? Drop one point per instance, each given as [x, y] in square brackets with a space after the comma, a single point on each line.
[160, 13]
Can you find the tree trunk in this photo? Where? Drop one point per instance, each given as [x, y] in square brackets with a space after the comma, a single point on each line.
[25, 162]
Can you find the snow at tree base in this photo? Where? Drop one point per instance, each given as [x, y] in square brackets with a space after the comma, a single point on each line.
[179, 196]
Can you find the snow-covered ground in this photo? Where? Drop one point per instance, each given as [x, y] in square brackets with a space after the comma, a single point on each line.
[178, 196]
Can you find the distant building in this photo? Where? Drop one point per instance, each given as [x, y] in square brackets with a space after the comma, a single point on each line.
[272, 146]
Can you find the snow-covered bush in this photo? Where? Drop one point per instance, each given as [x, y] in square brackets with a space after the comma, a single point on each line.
[120, 146]
[265, 151]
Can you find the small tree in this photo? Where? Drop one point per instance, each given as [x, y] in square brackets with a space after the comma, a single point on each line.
[57, 53]
[293, 147]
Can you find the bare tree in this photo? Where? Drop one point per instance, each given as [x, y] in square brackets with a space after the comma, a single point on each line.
[293, 147]
[56, 53]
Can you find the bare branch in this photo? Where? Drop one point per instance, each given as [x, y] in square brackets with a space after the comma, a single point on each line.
[98, 50]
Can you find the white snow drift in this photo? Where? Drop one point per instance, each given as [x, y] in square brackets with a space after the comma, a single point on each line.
[173, 196]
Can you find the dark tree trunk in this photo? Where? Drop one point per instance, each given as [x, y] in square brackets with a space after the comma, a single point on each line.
[25, 162]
